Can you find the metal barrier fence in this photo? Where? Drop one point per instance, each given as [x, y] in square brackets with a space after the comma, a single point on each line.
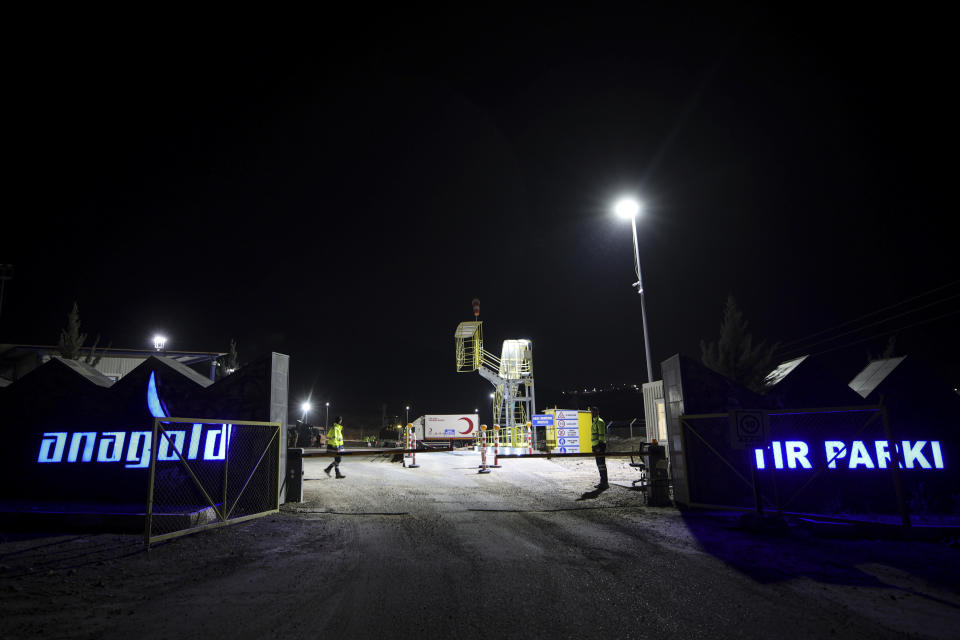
[207, 473]
[840, 462]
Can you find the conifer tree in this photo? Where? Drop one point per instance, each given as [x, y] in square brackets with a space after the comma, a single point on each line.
[229, 362]
[71, 340]
[734, 354]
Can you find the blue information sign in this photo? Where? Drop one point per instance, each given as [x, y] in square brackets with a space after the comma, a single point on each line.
[545, 420]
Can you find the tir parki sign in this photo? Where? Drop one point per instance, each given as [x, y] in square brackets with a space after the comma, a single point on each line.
[854, 455]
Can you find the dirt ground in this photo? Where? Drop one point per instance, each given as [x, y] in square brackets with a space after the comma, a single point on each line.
[527, 551]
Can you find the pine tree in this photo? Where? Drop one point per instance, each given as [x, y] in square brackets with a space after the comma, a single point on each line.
[71, 340]
[734, 354]
[229, 362]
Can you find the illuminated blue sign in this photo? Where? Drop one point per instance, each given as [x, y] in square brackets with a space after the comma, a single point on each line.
[858, 454]
[133, 448]
[543, 420]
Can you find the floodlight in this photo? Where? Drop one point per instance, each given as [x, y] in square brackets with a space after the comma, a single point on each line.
[627, 208]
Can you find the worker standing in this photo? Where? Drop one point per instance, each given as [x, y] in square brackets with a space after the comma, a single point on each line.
[335, 443]
[598, 440]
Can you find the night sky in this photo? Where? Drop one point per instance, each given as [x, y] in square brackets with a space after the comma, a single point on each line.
[339, 188]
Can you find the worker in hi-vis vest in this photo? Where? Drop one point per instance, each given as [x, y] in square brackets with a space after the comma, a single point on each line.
[335, 443]
[598, 440]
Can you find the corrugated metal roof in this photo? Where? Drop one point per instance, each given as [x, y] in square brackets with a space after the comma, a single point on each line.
[86, 371]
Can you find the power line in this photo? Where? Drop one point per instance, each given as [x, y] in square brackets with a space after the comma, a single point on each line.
[886, 333]
[784, 347]
[872, 324]
[872, 313]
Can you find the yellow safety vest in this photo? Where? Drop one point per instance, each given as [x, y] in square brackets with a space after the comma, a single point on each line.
[598, 431]
[335, 435]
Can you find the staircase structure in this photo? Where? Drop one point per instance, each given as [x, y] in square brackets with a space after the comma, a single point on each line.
[511, 374]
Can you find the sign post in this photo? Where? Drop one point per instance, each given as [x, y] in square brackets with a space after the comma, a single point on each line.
[749, 430]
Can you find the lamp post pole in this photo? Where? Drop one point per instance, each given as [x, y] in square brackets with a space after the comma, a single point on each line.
[630, 208]
[326, 421]
[643, 304]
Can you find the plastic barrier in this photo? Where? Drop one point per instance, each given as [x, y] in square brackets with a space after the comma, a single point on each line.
[483, 449]
[496, 447]
[412, 447]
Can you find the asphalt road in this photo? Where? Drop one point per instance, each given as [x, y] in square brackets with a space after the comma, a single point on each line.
[441, 551]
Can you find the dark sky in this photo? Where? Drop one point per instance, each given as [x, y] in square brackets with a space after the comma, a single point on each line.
[339, 188]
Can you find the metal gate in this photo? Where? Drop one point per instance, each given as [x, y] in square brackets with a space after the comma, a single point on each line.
[207, 473]
[842, 462]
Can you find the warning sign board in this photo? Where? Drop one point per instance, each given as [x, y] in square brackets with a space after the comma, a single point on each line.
[748, 429]
[568, 431]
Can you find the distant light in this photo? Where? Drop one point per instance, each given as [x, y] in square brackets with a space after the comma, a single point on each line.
[491, 395]
[159, 342]
[627, 208]
[305, 407]
[408, 408]
[328, 404]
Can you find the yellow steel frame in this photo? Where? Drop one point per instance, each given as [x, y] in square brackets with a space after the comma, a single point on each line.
[469, 344]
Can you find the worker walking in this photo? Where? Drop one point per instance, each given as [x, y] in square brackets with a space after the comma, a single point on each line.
[598, 440]
[335, 443]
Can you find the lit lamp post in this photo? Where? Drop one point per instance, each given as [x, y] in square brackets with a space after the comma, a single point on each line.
[630, 208]
[159, 342]
[306, 409]
[326, 421]
[408, 415]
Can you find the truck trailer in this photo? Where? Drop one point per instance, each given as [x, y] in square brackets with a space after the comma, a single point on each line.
[454, 428]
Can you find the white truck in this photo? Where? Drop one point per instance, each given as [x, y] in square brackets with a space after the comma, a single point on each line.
[452, 427]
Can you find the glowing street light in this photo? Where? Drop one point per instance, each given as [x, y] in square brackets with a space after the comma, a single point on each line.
[326, 421]
[627, 208]
[159, 341]
[305, 407]
[630, 208]
[408, 414]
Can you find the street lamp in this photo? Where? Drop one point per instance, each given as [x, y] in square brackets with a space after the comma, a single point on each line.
[326, 421]
[630, 208]
[305, 406]
[408, 414]
[159, 342]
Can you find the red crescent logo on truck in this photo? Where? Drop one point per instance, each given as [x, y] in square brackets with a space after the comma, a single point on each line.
[469, 422]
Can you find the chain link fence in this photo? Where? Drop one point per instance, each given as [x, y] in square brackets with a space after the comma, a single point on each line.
[209, 473]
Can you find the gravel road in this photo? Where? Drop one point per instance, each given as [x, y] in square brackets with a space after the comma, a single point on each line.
[441, 551]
